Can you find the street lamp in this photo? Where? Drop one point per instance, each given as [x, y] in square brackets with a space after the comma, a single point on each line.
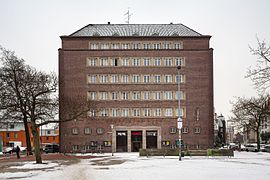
[112, 138]
[179, 120]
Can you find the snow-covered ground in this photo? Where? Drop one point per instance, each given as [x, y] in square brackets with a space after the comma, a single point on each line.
[129, 166]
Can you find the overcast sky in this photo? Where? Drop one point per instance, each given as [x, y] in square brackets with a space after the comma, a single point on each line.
[32, 28]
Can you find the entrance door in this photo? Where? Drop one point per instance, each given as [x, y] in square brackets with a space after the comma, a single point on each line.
[121, 141]
[151, 139]
[136, 141]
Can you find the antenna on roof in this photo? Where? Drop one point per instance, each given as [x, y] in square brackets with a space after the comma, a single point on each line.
[128, 14]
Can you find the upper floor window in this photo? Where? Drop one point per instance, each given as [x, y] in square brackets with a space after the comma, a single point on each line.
[168, 78]
[147, 112]
[104, 62]
[197, 130]
[146, 46]
[168, 62]
[177, 46]
[114, 78]
[136, 79]
[100, 130]
[166, 45]
[114, 112]
[157, 112]
[136, 96]
[157, 78]
[104, 112]
[125, 96]
[125, 62]
[114, 95]
[173, 130]
[92, 62]
[103, 79]
[125, 78]
[115, 46]
[114, 62]
[125, 46]
[125, 112]
[156, 45]
[75, 130]
[136, 112]
[179, 78]
[87, 130]
[103, 95]
[104, 46]
[168, 112]
[136, 46]
[136, 62]
[94, 46]
[157, 62]
[146, 62]
[146, 78]
[168, 95]
[146, 95]
[157, 95]
[185, 130]
[179, 62]
[93, 79]
[92, 95]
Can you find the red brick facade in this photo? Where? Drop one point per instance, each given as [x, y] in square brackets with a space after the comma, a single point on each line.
[198, 88]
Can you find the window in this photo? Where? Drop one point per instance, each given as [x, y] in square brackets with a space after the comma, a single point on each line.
[179, 95]
[115, 46]
[114, 96]
[136, 112]
[185, 130]
[168, 78]
[103, 95]
[146, 46]
[75, 130]
[104, 46]
[125, 46]
[157, 78]
[103, 79]
[11, 126]
[8, 135]
[179, 78]
[125, 95]
[168, 112]
[197, 130]
[103, 62]
[48, 132]
[146, 95]
[157, 62]
[168, 95]
[125, 78]
[92, 79]
[125, 112]
[75, 147]
[15, 135]
[136, 79]
[181, 112]
[114, 78]
[136, 96]
[126, 62]
[146, 78]
[168, 62]
[114, 112]
[179, 62]
[156, 45]
[166, 45]
[197, 114]
[157, 95]
[87, 130]
[100, 130]
[173, 130]
[157, 112]
[114, 62]
[93, 46]
[177, 46]
[136, 62]
[146, 62]
[92, 113]
[92, 62]
[104, 112]
[147, 112]
[136, 46]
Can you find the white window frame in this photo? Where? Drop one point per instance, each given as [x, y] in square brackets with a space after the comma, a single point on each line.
[136, 112]
[146, 95]
[114, 95]
[168, 78]
[136, 62]
[104, 79]
[125, 79]
[125, 112]
[136, 78]
[157, 112]
[157, 78]
[125, 95]
[157, 95]
[136, 95]
[92, 78]
[168, 112]
[147, 112]
[146, 79]
[168, 95]
[114, 79]
[114, 112]
[146, 62]
[157, 62]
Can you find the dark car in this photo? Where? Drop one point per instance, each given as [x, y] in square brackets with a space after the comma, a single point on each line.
[51, 148]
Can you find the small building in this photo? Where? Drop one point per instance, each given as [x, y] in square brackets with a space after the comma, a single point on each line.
[49, 135]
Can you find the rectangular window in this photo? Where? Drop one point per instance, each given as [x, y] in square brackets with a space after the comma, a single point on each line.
[197, 130]
[136, 46]
[125, 78]
[115, 46]
[173, 130]
[114, 78]
[75, 130]
[104, 62]
[125, 112]
[125, 46]
[157, 95]
[179, 78]
[136, 112]
[146, 95]
[125, 96]
[168, 78]
[168, 112]
[93, 46]
[87, 130]
[179, 95]
[92, 79]
[92, 113]
[126, 62]
[147, 112]
[181, 112]
[157, 62]
[185, 130]
[136, 79]
[103, 95]
[166, 45]
[177, 46]
[146, 46]
[15, 135]
[104, 46]
[92, 95]
[114, 96]
[136, 96]
[157, 112]
[75, 147]
[136, 62]
[114, 112]
[114, 62]
[104, 112]
[103, 79]
[92, 62]
[156, 45]
[179, 62]
[8, 135]
[168, 62]
[157, 78]
[168, 95]
[146, 62]
[146, 78]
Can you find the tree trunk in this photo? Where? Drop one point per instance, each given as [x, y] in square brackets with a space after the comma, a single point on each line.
[27, 136]
[36, 142]
[258, 139]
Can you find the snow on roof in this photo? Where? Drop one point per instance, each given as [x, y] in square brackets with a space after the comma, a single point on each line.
[135, 30]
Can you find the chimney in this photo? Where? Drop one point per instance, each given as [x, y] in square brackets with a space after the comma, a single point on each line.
[109, 22]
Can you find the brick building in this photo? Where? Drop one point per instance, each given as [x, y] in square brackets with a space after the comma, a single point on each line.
[130, 71]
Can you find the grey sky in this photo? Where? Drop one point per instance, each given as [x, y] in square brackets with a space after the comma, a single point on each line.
[32, 29]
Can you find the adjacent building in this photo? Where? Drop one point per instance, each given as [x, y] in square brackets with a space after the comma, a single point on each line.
[129, 72]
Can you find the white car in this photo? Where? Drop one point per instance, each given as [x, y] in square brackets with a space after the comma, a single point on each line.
[251, 147]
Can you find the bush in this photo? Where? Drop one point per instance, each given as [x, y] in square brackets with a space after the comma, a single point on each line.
[220, 152]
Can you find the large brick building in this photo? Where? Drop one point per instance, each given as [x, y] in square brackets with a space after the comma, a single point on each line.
[130, 71]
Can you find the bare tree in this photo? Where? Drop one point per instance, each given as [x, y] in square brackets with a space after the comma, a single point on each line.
[250, 112]
[260, 74]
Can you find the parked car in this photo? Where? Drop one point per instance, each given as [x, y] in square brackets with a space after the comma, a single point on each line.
[262, 148]
[51, 148]
[8, 150]
[267, 148]
[251, 147]
[243, 147]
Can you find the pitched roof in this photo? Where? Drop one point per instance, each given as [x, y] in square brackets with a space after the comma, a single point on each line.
[135, 30]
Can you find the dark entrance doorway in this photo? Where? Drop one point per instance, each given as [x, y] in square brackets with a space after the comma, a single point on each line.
[136, 141]
[121, 141]
[151, 139]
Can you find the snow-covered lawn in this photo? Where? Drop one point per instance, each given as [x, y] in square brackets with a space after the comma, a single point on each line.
[129, 166]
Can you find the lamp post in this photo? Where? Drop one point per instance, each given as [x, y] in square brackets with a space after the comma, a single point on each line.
[112, 138]
[179, 120]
